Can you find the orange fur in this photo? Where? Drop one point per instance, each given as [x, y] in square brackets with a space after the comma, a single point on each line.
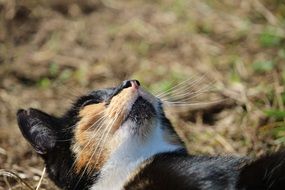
[89, 116]
[118, 108]
[86, 142]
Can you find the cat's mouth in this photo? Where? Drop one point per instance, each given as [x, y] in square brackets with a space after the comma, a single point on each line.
[141, 111]
[132, 103]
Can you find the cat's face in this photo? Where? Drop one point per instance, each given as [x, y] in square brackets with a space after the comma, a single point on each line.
[128, 112]
[97, 126]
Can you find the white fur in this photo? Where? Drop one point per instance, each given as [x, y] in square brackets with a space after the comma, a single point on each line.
[130, 154]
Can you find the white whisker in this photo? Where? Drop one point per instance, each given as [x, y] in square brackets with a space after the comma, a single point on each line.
[183, 88]
[167, 103]
[117, 115]
[189, 96]
[100, 122]
[185, 99]
[72, 126]
[181, 84]
[89, 161]
[100, 142]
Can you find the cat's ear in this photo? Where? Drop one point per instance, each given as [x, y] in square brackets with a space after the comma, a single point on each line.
[38, 128]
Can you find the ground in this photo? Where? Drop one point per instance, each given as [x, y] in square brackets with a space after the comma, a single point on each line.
[54, 51]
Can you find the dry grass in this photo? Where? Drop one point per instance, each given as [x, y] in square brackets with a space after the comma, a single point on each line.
[50, 53]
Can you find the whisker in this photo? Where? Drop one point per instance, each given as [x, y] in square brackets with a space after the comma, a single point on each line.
[100, 122]
[186, 99]
[167, 103]
[87, 165]
[188, 96]
[72, 126]
[117, 115]
[104, 136]
[181, 91]
[181, 84]
[183, 88]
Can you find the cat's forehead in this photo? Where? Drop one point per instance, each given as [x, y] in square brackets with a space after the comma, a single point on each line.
[102, 94]
[95, 96]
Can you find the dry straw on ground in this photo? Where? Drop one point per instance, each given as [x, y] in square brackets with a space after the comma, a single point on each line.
[53, 51]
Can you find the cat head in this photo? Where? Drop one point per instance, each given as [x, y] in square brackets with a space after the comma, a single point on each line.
[97, 126]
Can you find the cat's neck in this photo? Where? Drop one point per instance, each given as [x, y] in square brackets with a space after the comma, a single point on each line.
[129, 157]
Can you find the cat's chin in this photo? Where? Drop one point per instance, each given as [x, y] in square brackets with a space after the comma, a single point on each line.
[142, 111]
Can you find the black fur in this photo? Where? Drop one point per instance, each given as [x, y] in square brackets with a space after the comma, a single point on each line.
[141, 111]
[265, 173]
[52, 138]
[97, 96]
[178, 170]
[37, 127]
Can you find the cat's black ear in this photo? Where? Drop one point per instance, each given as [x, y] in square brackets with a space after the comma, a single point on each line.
[38, 128]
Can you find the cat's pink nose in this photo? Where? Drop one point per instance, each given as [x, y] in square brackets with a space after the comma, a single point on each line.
[135, 84]
[131, 83]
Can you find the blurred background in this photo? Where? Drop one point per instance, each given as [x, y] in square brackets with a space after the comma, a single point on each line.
[53, 51]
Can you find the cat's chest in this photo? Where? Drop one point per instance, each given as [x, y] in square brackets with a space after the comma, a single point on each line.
[115, 175]
[128, 159]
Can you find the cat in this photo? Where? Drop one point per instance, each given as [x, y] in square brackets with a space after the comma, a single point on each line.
[119, 138]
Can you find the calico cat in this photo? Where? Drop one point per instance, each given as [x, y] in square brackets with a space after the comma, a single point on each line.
[119, 138]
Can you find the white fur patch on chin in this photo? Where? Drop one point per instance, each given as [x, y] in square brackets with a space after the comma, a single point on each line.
[130, 154]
